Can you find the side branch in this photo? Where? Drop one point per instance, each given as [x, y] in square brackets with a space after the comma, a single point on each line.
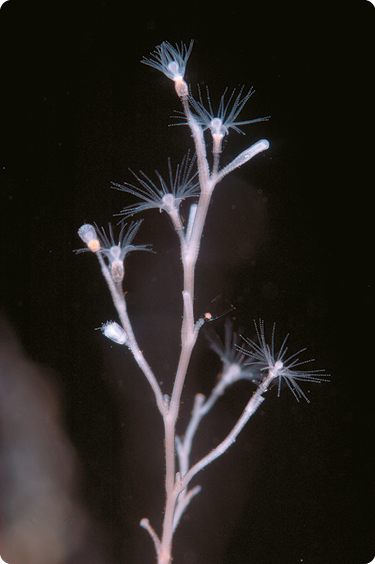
[145, 523]
[243, 158]
[249, 410]
[120, 304]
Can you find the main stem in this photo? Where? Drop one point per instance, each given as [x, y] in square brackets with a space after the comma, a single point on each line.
[187, 345]
[189, 255]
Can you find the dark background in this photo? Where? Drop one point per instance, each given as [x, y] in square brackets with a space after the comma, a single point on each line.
[288, 239]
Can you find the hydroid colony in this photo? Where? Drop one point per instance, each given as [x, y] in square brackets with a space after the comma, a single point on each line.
[194, 178]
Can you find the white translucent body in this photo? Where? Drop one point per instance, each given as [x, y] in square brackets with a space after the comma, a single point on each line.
[88, 235]
[115, 332]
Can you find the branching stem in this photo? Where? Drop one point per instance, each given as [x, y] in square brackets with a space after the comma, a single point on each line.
[172, 62]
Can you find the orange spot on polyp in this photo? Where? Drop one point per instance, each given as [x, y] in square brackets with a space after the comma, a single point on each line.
[94, 245]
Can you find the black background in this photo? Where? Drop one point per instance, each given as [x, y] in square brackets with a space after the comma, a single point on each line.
[288, 239]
